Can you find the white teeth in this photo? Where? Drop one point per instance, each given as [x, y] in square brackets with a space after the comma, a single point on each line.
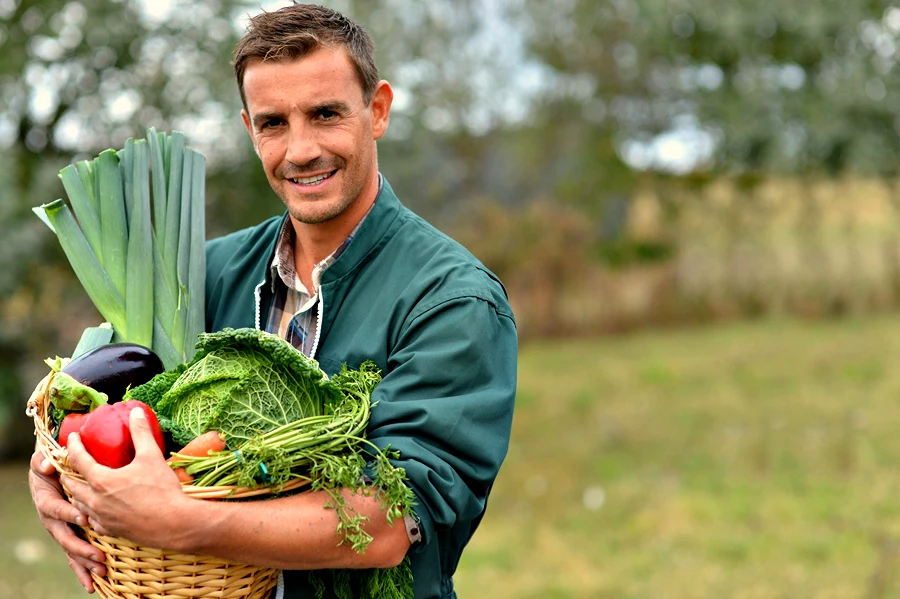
[310, 180]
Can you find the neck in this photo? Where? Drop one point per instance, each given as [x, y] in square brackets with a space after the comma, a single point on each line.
[315, 242]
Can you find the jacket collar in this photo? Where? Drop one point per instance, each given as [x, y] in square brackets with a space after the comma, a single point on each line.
[374, 232]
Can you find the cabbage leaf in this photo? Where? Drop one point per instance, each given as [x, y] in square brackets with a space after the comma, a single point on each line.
[240, 382]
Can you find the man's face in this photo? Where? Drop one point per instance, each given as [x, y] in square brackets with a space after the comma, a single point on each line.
[313, 131]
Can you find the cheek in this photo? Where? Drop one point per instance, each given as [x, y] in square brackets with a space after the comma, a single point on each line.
[269, 151]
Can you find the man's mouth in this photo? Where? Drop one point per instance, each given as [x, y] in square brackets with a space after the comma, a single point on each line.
[311, 180]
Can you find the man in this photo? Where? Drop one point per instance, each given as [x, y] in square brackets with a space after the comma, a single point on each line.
[347, 275]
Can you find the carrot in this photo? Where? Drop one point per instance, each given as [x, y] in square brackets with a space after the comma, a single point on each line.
[201, 446]
[183, 476]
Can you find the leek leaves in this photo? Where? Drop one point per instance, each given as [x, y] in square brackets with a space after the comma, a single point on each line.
[134, 231]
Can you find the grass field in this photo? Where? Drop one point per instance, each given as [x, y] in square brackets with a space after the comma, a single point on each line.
[748, 461]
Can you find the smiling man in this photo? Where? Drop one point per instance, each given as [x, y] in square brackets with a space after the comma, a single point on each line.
[314, 128]
[348, 274]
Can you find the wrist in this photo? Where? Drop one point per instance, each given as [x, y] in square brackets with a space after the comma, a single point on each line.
[181, 531]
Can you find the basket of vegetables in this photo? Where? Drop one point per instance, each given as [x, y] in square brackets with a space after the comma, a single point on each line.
[240, 412]
[267, 420]
[62, 404]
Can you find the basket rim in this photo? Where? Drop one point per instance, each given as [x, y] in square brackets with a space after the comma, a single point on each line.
[58, 456]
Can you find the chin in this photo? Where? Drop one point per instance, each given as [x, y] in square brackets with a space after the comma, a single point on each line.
[316, 215]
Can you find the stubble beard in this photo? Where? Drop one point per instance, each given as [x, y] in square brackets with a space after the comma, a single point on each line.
[314, 210]
[321, 211]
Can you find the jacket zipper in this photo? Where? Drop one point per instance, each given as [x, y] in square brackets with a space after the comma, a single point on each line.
[257, 293]
[321, 310]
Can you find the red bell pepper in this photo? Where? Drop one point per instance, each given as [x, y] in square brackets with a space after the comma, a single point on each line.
[70, 424]
[107, 437]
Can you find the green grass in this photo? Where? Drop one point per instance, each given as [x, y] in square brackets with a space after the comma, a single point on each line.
[32, 566]
[744, 461]
[755, 460]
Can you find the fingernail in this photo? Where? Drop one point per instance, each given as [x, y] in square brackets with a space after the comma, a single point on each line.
[138, 413]
[45, 463]
[80, 520]
[96, 570]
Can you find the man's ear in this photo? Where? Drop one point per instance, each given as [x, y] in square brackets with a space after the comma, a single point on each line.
[249, 127]
[381, 108]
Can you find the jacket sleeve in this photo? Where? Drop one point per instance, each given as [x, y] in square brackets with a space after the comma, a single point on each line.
[446, 404]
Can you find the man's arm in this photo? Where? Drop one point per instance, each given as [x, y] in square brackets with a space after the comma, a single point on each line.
[144, 503]
[446, 406]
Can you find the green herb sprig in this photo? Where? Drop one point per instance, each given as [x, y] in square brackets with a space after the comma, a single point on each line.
[331, 453]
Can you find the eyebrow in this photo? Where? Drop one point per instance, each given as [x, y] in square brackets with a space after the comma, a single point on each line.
[332, 105]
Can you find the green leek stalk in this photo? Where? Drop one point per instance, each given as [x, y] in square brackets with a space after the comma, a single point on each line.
[113, 220]
[90, 273]
[139, 278]
[135, 237]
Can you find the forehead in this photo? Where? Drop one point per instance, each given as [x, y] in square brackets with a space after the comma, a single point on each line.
[324, 74]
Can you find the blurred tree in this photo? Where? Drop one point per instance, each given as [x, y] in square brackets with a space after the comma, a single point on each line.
[750, 84]
[526, 104]
[78, 77]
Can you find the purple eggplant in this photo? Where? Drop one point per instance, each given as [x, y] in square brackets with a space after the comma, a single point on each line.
[113, 369]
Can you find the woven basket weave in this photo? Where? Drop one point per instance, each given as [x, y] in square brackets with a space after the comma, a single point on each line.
[135, 572]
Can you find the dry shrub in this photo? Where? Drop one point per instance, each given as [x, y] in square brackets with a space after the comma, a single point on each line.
[542, 253]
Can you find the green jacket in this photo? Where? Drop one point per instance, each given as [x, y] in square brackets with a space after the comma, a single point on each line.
[439, 325]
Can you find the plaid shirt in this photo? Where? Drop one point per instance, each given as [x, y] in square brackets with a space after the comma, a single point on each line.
[294, 315]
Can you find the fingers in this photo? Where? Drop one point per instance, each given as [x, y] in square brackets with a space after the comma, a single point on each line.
[56, 513]
[41, 464]
[85, 554]
[79, 459]
[83, 573]
[48, 498]
[141, 435]
[79, 492]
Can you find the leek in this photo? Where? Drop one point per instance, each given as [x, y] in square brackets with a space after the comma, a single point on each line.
[139, 278]
[93, 337]
[90, 273]
[157, 149]
[83, 205]
[85, 170]
[196, 310]
[113, 220]
[126, 165]
[136, 241]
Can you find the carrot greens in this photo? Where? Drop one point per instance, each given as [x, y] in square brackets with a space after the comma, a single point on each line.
[283, 419]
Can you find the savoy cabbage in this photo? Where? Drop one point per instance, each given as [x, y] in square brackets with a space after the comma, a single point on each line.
[241, 382]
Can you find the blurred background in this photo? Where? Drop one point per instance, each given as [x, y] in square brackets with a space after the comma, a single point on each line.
[694, 205]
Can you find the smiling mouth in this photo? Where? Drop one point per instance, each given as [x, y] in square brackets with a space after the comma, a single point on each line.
[312, 180]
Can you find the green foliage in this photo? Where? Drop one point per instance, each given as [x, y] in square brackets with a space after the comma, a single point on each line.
[242, 383]
[283, 419]
[625, 253]
[799, 86]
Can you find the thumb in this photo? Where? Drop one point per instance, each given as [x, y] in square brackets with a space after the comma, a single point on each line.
[141, 434]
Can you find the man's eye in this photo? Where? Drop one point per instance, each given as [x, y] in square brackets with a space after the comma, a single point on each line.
[327, 115]
[268, 124]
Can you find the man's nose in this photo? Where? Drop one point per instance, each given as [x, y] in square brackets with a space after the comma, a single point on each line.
[303, 144]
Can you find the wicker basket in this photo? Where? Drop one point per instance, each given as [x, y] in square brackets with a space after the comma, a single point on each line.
[135, 572]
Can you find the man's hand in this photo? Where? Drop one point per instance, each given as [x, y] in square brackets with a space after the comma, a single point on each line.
[56, 514]
[131, 502]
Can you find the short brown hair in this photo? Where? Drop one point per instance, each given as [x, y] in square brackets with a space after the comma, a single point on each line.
[294, 31]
